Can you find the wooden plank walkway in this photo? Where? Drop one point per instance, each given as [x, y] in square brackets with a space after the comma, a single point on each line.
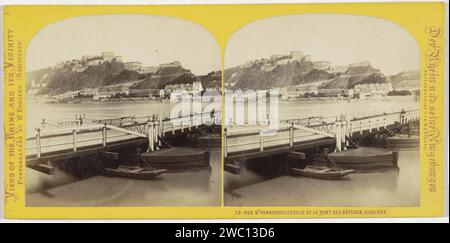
[53, 141]
[298, 134]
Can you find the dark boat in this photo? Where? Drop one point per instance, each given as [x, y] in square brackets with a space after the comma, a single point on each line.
[364, 158]
[323, 173]
[177, 159]
[210, 141]
[133, 172]
[403, 142]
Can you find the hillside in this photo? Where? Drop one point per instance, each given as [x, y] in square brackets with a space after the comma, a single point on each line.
[356, 75]
[59, 80]
[406, 79]
[165, 76]
[211, 80]
[256, 76]
[75, 76]
[349, 81]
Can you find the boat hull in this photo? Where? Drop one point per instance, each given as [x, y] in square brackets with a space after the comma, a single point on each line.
[211, 141]
[333, 175]
[141, 175]
[365, 159]
[403, 143]
[177, 159]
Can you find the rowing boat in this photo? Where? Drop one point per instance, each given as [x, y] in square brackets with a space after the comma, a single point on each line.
[323, 173]
[133, 172]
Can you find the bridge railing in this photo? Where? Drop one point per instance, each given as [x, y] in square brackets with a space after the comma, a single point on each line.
[287, 135]
[47, 140]
[264, 139]
[62, 139]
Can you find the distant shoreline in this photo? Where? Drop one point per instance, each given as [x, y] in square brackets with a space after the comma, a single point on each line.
[325, 99]
[91, 101]
[137, 100]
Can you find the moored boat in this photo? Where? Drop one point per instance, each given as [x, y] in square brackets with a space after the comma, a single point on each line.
[133, 172]
[323, 173]
[210, 141]
[365, 158]
[403, 142]
[177, 159]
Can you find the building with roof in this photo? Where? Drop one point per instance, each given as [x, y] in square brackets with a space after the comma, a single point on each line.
[373, 89]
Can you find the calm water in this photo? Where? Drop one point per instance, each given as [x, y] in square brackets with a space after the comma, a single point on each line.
[203, 188]
[200, 188]
[333, 107]
[298, 109]
[65, 112]
[392, 188]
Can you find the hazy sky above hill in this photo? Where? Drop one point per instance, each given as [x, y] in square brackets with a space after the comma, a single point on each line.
[341, 39]
[149, 39]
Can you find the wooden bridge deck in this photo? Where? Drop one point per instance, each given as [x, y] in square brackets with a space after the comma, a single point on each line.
[61, 143]
[280, 149]
[299, 134]
[67, 154]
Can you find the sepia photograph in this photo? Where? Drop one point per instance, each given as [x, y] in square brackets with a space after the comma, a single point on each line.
[214, 111]
[123, 110]
[322, 110]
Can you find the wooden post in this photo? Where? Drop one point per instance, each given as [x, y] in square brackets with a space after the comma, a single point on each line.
[163, 132]
[190, 122]
[151, 143]
[338, 136]
[291, 135]
[361, 128]
[74, 140]
[104, 135]
[201, 118]
[38, 143]
[156, 139]
[225, 143]
[378, 124]
[402, 117]
[197, 122]
[261, 142]
[182, 125]
[344, 133]
[395, 158]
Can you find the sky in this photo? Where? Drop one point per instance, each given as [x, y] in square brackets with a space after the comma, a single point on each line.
[149, 39]
[341, 39]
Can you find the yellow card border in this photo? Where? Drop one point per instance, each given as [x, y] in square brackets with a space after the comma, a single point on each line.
[421, 20]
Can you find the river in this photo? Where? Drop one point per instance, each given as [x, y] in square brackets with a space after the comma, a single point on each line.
[203, 188]
[388, 189]
[199, 188]
[392, 188]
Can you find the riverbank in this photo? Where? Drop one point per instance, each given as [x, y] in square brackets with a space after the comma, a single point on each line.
[122, 100]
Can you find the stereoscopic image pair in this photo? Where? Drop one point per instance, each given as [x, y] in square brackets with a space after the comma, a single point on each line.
[140, 110]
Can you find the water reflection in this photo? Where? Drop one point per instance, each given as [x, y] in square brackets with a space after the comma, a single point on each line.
[391, 188]
[199, 188]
